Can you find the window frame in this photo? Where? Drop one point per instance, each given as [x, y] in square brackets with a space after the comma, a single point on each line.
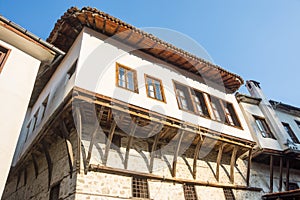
[265, 126]
[186, 189]
[154, 88]
[5, 53]
[292, 135]
[134, 72]
[134, 194]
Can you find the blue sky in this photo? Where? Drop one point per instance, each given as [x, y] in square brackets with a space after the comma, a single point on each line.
[256, 39]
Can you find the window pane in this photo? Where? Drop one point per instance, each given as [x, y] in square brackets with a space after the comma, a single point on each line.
[130, 81]
[122, 77]
[158, 90]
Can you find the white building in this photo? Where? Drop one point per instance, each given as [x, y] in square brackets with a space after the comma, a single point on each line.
[275, 128]
[126, 115]
[23, 59]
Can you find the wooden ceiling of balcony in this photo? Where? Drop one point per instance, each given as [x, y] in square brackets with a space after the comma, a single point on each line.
[72, 22]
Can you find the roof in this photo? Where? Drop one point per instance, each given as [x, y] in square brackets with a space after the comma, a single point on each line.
[285, 107]
[68, 27]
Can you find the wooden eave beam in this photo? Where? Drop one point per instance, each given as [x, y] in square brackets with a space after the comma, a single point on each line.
[181, 132]
[232, 163]
[130, 138]
[219, 158]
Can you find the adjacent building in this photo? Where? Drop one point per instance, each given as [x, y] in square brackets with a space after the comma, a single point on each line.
[24, 58]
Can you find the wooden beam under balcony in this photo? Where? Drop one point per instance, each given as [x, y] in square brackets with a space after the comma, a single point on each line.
[69, 147]
[280, 173]
[196, 154]
[78, 121]
[109, 141]
[181, 132]
[93, 135]
[232, 163]
[130, 138]
[45, 147]
[271, 173]
[153, 149]
[219, 158]
[249, 167]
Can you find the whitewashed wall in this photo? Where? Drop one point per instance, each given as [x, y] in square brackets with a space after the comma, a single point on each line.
[16, 84]
[290, 119]
[251, 110]
[97, 73]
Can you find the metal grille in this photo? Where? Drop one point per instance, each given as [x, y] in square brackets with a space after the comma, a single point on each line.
[140, 188]
[189, 192]
[228, 194]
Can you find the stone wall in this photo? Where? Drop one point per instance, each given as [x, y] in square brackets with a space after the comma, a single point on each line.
[37, 187]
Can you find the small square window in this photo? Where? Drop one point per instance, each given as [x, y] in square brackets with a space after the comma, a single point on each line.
[189, 192]
[228, 194]
[126, 78]
[140, 188]
[290, 132]
[4, 52]
[154, 88]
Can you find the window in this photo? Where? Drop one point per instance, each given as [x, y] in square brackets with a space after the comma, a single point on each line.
[154, 88]
[126, 78]
[228, 194]
[224, 112]
[183, 97]
[263, 127]
[140, 188]
[54, 192]
[298, 123]
[199, 103]
[217, 109]
[35, 119]
[189, 192]
[191, 100]
[4, 52]
[290, 132]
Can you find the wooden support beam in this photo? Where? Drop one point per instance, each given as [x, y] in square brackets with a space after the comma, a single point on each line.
[129, 173]
[271, 173]
[287, 185]
[93, 138]
[108, 141]
[152, 154]
[69, 147]
[196, 154]
[219, 158]
[280, 174]
[78, 121]
[35, 165]
[45, 147]
[232, 163]
[130, 138]
[176, 152]
[156, 127]
[249, 167]
[25, 175]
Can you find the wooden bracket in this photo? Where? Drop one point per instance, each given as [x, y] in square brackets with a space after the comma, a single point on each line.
[78, 121]
[35, 165]
[219, 158]
[196, 154]
[109, 140]
[93, 138]
[153, 149]
[232, 163]
[249, 167]
[66, 136]
[181, 133]
[45, 147]
[130, 138]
